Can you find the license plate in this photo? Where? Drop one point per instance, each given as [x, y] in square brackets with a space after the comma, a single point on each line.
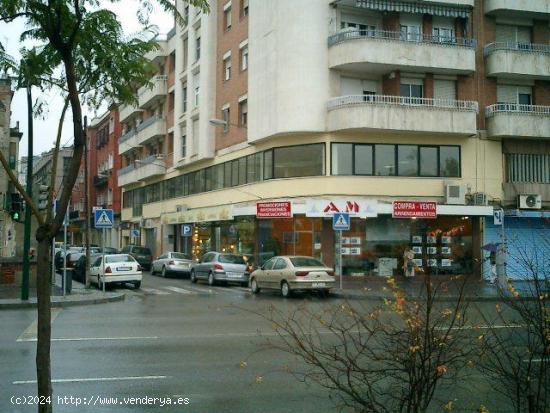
[123, 268]
[316, 285]
[234, 275]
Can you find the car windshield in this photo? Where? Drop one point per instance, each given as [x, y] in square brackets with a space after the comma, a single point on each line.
[141, 251]
[306, 262]
[109, 259]
[180, 256]
[231, 259]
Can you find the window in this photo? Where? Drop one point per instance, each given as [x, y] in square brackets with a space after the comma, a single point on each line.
[407, 160]
[226, 116]
[429, 161]
[443, 35]
[235, 172]
[243, 113]
[197, 48]
[254, 167]
[411, 33]
[268, 164]
[185, 57]
[295, 161]
[361, 29]
[384, 164]
[197, 95]
[227, 68]
[449, 161]
[195, 137]
[217, 176]
[243, 51]
[524, 98]
[183, 145]
[412, 91]
[280, 264]
[186, 13]
[184, 97]
[244, 8]
[242, 170]
[342, 159]
[227, 174]
[363, 159]
[227, 16]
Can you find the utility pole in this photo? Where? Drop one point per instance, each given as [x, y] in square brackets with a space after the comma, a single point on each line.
[27, 232]
[86, 204]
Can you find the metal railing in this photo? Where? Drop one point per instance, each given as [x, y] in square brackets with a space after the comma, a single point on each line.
[148, 122]
[353, 34]
[516, 108]
[514, 46]
[171, 33]
[352, 100]
[152, 159]
[126, 169]
[157, 79]
[123, 138]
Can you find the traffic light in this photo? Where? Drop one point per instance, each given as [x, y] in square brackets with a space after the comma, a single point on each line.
[43, 197]
[17, 207]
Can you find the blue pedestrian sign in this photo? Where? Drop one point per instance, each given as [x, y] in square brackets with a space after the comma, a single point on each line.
[186, 230]
[340, 222]
[103, 218]
[135, 233]
[498, 216]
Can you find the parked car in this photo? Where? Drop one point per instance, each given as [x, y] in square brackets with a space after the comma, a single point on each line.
[141, 254]
[216, 266]
[58, 258]
[119, 269]
[292, 273]
[172, 263]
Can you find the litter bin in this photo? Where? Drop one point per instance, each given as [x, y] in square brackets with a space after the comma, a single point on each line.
[68, 282]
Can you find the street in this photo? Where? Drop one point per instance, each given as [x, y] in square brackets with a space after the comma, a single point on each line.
[200, 346]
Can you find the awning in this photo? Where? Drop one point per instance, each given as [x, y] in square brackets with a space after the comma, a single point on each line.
[411, 7]
[207, 214]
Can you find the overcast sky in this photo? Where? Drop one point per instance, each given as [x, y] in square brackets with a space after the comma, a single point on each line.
[45, 129]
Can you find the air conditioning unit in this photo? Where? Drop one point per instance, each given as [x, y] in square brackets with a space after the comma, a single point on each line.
[530, 201]
[181, 208]
[480, 199]
[455, 195]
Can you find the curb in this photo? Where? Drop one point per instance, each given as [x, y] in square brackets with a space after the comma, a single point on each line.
[69, 301]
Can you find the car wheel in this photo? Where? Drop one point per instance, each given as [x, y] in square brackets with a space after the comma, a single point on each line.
[324, 293]
[137, 284]
[254, 286]
[285, 289]
[163, 273]
[211, 279]
[244, 284]
[193, 277]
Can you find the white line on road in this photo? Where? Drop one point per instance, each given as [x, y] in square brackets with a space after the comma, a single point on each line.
[154, 291]
[179, 290]
[497, 327]
[95, 379]
[96, 338]
[30, 333]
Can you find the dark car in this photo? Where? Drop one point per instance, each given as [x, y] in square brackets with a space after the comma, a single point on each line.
[58, 259]
[141, 254]
[79, 268]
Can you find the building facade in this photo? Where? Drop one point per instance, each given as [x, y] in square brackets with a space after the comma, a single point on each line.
[349, 106]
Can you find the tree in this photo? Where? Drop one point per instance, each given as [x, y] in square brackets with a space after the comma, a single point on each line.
[393, 357]
[83, 42]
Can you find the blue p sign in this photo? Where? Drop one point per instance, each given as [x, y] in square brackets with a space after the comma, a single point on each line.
[186, 230]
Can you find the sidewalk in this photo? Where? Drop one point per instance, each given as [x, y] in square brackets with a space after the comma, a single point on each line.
[475, 290]
[10, 296]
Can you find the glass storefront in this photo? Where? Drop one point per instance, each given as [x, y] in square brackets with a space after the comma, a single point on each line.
[372, 246]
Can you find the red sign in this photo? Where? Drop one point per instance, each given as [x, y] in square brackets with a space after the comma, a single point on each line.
[414, 209]
[274, 210]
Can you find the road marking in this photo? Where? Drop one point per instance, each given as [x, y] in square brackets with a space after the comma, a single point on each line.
[96, 338]
[154, 291]
[81, 380]
[30, 333]
[179, 290]
[497, 327]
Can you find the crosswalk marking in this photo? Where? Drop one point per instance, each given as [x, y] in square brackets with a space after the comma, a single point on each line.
[179, 290]
[154, 291]
[191, 290]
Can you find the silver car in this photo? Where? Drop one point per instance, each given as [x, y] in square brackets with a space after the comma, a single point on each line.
[172, 263]
[216, 267]
[292, 273]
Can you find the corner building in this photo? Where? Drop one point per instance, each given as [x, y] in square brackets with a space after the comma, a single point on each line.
[326, 106]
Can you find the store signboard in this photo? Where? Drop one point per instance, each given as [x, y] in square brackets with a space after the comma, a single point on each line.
[329, 207]
[414, 209]
[274, 210]
[207, 214]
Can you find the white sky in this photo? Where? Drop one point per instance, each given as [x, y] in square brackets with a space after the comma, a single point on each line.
[45, 130]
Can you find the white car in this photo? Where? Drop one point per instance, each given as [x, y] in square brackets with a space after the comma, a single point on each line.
[119, 268]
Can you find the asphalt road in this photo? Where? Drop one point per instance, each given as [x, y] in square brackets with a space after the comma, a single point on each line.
[202, 347]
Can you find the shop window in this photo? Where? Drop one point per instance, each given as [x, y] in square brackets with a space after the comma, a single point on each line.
[449, 161]
[254, 168]
[217, 176]
[242, 170]
[208, 182]
[407, 160]
[235, 172]
[296, 161]
[227, 174]
[384, 160]
[429, 161]
[268, 164]
[363, 160]
[342, 159]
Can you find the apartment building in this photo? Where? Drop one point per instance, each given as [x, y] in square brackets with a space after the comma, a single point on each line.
[286, 112]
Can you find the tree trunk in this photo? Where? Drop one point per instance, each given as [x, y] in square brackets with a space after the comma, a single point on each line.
[43, 277]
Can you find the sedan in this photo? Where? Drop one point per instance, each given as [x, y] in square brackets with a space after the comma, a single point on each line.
[292, 273]
[216, 267]
[117, 269]
[172, 263]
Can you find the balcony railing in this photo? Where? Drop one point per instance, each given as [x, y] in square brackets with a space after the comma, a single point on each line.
[519, 47]
[148, 122]
[127, 135]
[461, 105]
[353, 34]
[100, 181]
[126, 169]
[516, 108]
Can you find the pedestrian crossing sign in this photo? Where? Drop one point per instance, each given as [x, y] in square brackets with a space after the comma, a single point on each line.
[103, 218]
[341, 222]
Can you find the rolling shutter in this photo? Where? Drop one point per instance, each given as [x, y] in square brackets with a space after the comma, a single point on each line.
[444, 89]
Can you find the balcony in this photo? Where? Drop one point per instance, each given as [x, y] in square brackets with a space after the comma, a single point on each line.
[149, 94]
[404, 114]
[151, 128]
[159, 54]
[128, 111]
[142, 170]
[100, 181]
[524, 8]
[380, 52]
[514, 60]
[511, 120]
[127, 142]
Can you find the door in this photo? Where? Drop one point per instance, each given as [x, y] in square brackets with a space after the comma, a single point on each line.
[263, 278]
[203, 268]
[151, 239]
[278, 273]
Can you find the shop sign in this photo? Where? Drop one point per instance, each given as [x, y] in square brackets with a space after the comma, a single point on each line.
[414, 209]
[221, 213]
[274, 210]
[329, 207]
